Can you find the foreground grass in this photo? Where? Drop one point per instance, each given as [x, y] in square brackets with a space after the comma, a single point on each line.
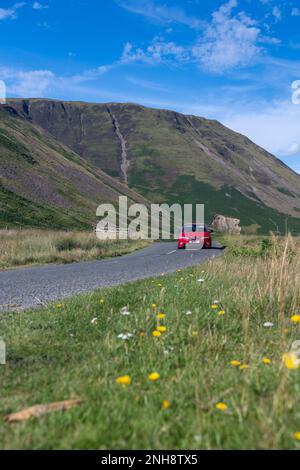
[31, 247]
[59, 353]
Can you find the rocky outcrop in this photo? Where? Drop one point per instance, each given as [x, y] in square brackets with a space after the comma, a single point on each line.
[228, 225]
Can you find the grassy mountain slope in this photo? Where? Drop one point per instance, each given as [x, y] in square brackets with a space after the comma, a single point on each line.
[176, 158]
[44, 183]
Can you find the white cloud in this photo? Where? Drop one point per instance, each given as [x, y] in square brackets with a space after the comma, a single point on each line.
[275, 126]
[160, 13]
[231, 40]
[159, 51]
[32, 83]
[228, 41]
[277, 13]
[293, 149]
[295, 12]
[92, 74]
[39, 6]
[11, 13]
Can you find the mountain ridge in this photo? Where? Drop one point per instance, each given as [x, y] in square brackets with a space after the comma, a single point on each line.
[171, 157]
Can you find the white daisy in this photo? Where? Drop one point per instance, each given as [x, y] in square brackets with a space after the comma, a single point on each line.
[124, 311]
[125, 336]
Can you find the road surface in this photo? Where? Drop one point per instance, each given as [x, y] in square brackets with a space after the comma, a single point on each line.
[32, 287]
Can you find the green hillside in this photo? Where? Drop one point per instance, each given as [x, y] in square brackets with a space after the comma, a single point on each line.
[170, 157]
[45, 184]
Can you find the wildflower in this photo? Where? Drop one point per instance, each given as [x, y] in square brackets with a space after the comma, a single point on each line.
[188, 312]
[94, 321]
[266, 361]
[216, 302]
[156, 333]
[268, 324]
[161, 329]
[153, 305]
[214, 306]
[194, 333]
[125, 336]
[297, 436]
[166, 405]
[101, 301]
[161, 316]
[235, 363]
[291, 360]
[201, 280]
[154, 376]
[124, 380]
[59, 305]
[221, 406]
[244, 366]
[221, 312]
[124, 311]
[295, 318]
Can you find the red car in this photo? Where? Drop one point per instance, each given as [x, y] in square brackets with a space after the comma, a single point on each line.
[195, 234]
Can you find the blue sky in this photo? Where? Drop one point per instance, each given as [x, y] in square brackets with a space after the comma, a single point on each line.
[232, 60]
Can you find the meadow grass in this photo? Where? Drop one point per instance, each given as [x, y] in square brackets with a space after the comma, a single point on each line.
[72, 350]
[32, 247]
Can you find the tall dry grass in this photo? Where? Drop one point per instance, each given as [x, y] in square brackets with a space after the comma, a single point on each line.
[29, 247]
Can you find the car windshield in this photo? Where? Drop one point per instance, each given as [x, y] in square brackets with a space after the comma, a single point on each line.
[194, 228]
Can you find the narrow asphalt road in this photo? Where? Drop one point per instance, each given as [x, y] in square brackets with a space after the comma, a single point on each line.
[30, 287]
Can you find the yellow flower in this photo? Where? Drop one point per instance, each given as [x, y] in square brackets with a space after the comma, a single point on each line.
[166, 405]
[59, 305]
[124, 380]
[221, 312]
[162, 329]
[156, 333]
[297, 435]
[154, 376]
[194, 333]
[101, 301]
[214, 306]
[221, 406]
[290, 360]
[295, 318]
[266, 361]
[161, 316]
[235, 363]
[153, 305]
[244, 366]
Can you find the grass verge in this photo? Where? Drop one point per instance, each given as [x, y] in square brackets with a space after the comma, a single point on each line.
[203, 398]
[32, 247]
